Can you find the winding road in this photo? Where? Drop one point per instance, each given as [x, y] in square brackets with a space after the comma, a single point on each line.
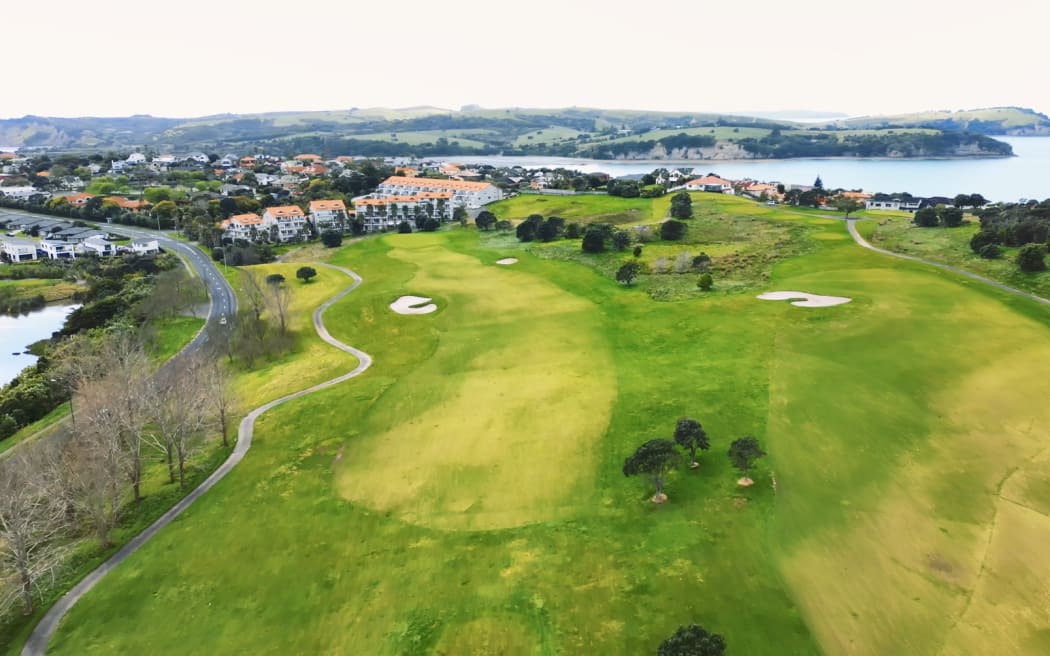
[36, 645]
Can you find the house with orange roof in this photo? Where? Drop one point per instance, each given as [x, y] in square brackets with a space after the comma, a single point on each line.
[464, 193]
[328, 214]
[289, 222]
[307, 158]
[248, 227]
[757, 189]
[859, 196]
[711, 183]
[406, 171]
[247, 162]
[126, 204]
[379, 213]
[78, 200]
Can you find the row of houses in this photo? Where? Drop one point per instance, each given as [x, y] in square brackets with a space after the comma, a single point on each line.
[21, 249]
[286, 222]
[409, 197]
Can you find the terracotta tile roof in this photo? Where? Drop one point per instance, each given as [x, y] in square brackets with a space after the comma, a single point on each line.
[327, 205]
[308, 156]
[709, 180]
[44, 174]
[243, 219]
[78, 199]
[429, 183]
[126, 204]
[284, 211]
[415, 198]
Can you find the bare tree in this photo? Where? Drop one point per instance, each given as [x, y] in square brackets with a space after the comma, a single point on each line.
[95, 463]
[253, 292]
[131, 392]
[219, 395]
[180, 413]
[32, 523]
[278, 298]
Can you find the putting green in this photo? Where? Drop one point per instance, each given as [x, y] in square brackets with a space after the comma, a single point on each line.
[526, 387]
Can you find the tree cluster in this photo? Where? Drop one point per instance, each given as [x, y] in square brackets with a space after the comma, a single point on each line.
[1024, 226]
[942, 215]
[657, 457]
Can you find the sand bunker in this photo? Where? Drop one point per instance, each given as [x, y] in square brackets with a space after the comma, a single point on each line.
[805, 300]
[507, 260]
[413, 305]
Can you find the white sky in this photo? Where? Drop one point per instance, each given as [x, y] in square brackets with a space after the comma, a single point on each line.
[197, 57]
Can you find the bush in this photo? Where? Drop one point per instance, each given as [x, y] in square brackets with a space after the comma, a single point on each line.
[593, 240]
[529, 229]
[621, 239]
[705, 282]
[627, 273]
[404, 227]
[331, 238]
[431, 225]
[990, 252]
[926, 218]
[637, 251]
[573, 231]
[982, 239]
[1031, 258]
[672, 230]
[702, 262]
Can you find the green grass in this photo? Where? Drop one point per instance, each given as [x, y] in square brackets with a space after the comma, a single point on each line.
[549, 135]
[465, 138]
[171, 334]
[950, 246]
[464, 496]
[584, 208]
[51, 289]
[35, 429]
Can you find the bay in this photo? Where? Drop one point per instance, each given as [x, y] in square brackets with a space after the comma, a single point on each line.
[1005, 179]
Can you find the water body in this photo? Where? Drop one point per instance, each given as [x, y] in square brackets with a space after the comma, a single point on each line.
[16, 333]
[1004, 179]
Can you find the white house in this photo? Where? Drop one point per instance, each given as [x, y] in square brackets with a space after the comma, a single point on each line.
[198, 157]
[98, 246]
[145, 246]
[289, 219]
[710, 183]
[18, 250]
[135, 158]
[386, 212]
[464, 193]
[884, 204]
[248, 227]
[56, 249]
[20, 193]
[328, 214]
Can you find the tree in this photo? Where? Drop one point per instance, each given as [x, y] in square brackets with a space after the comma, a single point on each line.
[404, 227]
[627, 273]
[990, 252]
[180, 413]
[705, 282]
[528, 229]
[638, 251]
[253, 293]
[1031, 257]
[847, 206]
[654, 458]
[275, 279]
[982, 239]
[742, 453]
[951, 217]
[682, 205]
[32, 522]
[305, 273]
[460, 214]
[431, 225]
[926, 218]
[485, 220]
[593, 240]
[672, 230]
[278, 298]
[818, 184]
[689, 434]
[621, 239]
[692, 640]
[331, 238]
[95, 463]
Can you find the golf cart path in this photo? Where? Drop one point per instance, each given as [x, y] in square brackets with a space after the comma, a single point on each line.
[36, 645]
[962, 272]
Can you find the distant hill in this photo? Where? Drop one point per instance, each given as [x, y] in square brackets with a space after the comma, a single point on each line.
[992, 121]
[797, 115]
[573, 131]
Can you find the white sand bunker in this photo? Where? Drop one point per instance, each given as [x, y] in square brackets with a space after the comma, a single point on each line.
[413, 305]
[507, 260]
[805, 299]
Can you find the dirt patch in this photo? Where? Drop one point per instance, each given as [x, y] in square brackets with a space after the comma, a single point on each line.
[338, 456]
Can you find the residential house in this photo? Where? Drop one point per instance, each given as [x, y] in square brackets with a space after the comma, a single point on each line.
[78, 200]
[16, 249]
[83, 235]
[127, 204]
[135, 158]
[247, 162]
[328, 214]
[711, 183]
[234, 190]
[20, 193]
[98, 246]
[248, 227]
[198, 157]
[145, 246]
[882, 203]
[289, 220]
[58, 250]
[228, 161]
[464, 193]
[307, 159]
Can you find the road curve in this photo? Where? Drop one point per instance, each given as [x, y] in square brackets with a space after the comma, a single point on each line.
[861, 241]
[36, 645]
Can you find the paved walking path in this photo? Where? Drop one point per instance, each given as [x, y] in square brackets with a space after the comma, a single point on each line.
[962, 272]
[37, 643]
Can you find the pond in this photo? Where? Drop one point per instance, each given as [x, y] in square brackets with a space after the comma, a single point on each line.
[17, 333]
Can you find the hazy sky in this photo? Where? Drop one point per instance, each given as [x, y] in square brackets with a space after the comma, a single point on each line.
[195, 57]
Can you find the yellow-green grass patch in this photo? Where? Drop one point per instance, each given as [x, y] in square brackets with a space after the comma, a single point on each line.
[490, 371]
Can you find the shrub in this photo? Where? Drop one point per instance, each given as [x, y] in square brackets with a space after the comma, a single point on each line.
[1031, 257]
[990, 252]
[404, 227]
[431, 225]
[331, 238]
[705, 282]
[672, 230]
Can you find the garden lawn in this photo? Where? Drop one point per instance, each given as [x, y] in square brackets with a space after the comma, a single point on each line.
[407, 511]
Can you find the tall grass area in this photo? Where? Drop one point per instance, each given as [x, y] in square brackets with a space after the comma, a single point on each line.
[465, 494]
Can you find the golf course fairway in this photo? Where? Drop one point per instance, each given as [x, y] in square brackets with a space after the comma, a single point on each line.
[465, 495]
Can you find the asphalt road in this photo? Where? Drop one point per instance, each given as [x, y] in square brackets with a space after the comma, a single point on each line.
[37, 643]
